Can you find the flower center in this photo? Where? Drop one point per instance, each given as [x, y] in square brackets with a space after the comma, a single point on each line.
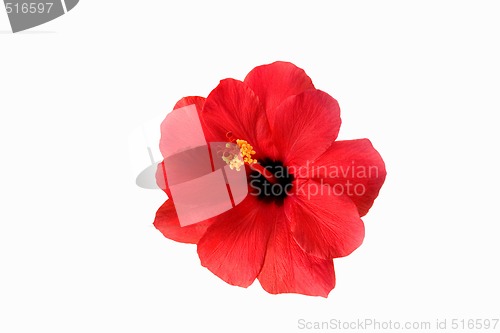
[271, 189]
[269, 180]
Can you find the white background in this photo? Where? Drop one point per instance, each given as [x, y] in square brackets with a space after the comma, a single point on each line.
[78, 252]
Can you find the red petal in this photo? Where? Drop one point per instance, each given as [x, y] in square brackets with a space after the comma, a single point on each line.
[288, 269]
[234, 247]
[232, 111]
[354, 166]
[305, 126]
[275, 82]
[166, 221]
[189, 100]
[185, 101]
[324, 224]
[161, 176]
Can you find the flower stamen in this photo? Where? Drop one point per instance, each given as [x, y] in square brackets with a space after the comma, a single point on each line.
[236, 157]
[247, 151]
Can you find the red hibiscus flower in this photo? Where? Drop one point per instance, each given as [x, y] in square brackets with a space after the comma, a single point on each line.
[287, 129]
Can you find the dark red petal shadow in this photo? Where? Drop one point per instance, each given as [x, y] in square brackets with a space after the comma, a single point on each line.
[323, 224]
[288, 269]
[336, 166]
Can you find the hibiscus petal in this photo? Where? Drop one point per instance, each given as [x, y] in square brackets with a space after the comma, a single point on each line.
[273, 83]
[182, 127]
[288, 269]
[161, 175]
[305, 126]
[167, 222]
[161, 178]
[232, 111]
[355, 168]
[189, 100]
[324, 224]
[234, 246]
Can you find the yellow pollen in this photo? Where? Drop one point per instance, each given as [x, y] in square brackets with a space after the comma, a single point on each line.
[247, 151]
[232, 156]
